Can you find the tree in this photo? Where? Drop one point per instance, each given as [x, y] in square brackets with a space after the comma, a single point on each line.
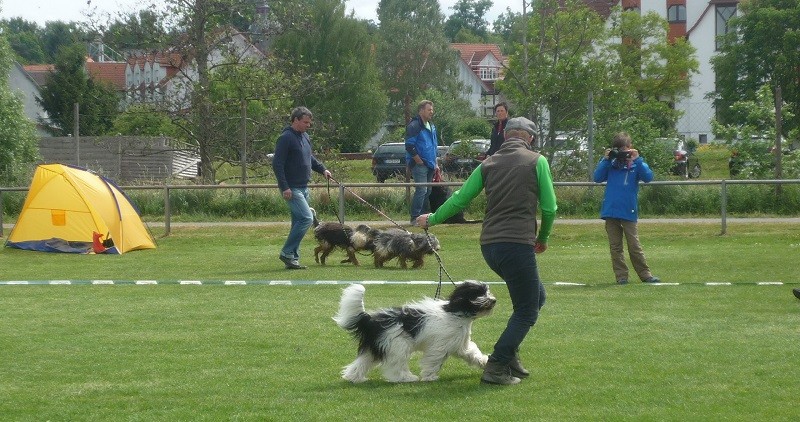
[340, 50]
[761, 47]
[571, 53]
[414, 53]
[468, 16]
[454, 116]
[220, 71]
[18, 141]
[68, 84]
[24, 38]
[141, 31]
[144, 120]
[58, 34]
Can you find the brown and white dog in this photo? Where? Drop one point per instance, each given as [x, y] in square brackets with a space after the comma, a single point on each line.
[398, 243]
[331, 235]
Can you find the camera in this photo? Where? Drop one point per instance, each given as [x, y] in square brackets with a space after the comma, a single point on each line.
[618, 154]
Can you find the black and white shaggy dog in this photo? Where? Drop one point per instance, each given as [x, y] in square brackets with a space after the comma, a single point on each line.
[437, 328]
[405, 246]
[331, 235]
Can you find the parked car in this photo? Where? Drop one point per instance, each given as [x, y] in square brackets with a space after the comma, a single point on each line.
[441, 150]
[570, 156]
[464, 156]
[685, 162]
[389, 160]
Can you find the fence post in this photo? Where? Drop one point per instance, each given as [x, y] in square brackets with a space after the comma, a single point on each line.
[724, 205]
[1, 213]
[341, 203]
[167, 211]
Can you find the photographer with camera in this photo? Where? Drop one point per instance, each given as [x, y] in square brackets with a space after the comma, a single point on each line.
[622, 168]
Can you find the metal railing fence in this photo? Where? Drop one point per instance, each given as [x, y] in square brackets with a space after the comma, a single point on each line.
[168, 189]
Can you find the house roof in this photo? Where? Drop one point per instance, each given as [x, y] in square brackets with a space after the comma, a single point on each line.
[472, 54]
[39, 72]
[112, 73]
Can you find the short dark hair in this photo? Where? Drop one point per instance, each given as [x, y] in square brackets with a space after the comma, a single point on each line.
[621, 140]
[422, 104]
[501, 104]
[299, 112]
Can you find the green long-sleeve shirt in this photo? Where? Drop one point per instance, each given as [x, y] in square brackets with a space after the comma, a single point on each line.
[517, 180]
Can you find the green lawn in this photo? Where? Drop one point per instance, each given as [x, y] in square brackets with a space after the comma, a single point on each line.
[688, 351]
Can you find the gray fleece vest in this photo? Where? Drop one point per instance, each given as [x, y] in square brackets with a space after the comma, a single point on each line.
[512, 194]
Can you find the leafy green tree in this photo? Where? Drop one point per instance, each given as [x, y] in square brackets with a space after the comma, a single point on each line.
[140, 31]
[144, 120]
[340, 49]
[70, 84]
[507, 25]
[571, 53]
[414, 54]
[18, 140]
[752, 136]
[761, 47]
[468, 16]
[453, 116]
[562, 66]
[24, 38]
[58, 34]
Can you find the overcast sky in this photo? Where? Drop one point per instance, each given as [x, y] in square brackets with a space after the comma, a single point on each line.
[42, 11]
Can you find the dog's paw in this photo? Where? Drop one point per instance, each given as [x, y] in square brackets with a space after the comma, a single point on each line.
[482, 361]
[431, 377]
[354, 380]
[405, 378]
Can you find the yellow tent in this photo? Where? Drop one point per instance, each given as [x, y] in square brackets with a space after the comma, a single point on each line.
[66, 205]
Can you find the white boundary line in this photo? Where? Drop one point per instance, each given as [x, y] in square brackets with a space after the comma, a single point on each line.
[336, 282]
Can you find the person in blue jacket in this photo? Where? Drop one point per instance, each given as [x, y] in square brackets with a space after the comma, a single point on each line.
[421, 143]
[292, 163]
[622, 168]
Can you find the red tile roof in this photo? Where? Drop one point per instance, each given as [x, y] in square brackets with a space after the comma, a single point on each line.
[474, 53]
[112, 73]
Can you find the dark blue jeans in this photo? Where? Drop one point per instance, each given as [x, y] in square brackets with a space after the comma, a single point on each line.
[515, 263]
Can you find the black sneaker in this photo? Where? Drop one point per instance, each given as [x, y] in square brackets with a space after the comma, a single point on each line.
[796, 293]
[652, 279]
[622, 281]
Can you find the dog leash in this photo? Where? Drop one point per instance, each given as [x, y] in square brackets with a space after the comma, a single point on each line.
[442, 269]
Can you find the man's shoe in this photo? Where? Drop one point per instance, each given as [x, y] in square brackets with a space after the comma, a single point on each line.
[622, 281]
[796, 293]
[516, 368]
[652, 279]
[295, 265]
[291, 264]
[498, 374]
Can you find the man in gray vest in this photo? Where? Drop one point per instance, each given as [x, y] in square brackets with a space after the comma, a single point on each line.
[517, 181]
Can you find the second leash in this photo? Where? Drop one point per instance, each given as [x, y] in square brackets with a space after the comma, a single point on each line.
[442, 269]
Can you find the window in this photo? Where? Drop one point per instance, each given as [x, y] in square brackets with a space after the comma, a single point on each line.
[488, 73]
[676, 13]
[724, 14]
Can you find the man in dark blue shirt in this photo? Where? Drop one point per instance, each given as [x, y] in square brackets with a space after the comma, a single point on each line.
[292, 164]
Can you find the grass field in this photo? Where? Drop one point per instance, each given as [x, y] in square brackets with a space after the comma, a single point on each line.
[689, 351]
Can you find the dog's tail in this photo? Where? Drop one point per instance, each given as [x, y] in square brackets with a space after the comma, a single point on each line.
[314, 217]
[351, 308]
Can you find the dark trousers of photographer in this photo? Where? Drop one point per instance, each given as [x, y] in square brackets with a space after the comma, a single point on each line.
[617, 229]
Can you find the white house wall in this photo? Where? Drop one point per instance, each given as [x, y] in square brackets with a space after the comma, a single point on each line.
[473, 85]
[697, 110]
[21, 84]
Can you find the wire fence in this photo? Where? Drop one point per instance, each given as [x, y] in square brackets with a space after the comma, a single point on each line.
[168, 190]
